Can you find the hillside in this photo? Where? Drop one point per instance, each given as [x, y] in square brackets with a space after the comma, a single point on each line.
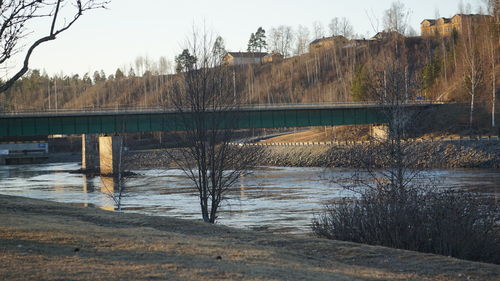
[437, 68]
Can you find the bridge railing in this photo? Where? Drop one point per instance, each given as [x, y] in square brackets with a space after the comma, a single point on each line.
[152, 109]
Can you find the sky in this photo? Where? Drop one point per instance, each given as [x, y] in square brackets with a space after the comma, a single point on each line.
[112, 38]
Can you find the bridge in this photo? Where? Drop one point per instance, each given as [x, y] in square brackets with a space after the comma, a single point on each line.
[111, 121]
[115, 121]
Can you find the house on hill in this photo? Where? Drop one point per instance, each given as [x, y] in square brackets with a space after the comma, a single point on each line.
[384, 35]
[272, 57]
[446, 26]
[240, 58]
[327, 42]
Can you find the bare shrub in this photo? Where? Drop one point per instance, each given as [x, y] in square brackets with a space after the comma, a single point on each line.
[398, 205]
[441, 221]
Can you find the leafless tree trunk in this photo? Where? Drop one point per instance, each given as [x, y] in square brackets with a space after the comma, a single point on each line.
[493, 37]
[473, 66]
[204, 99]
[318, 29]
[302, 40]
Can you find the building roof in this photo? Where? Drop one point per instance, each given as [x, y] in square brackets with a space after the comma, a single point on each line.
[273, 54]
[447, 20]
[386, 34]
[247, 54]
[331, 38]
[431, 21]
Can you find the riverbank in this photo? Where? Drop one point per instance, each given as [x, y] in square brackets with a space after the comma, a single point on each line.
[54, 241]
[438, 154]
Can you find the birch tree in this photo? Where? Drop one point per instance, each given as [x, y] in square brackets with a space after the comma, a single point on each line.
[473, 66]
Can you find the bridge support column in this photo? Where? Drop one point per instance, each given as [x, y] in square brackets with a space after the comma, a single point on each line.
[90, 160]
[109, 154]
[380, 132]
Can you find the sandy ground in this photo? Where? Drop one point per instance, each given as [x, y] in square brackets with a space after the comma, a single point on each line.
[42, 240]
[304, 136]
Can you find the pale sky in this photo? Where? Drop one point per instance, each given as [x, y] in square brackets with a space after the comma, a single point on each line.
[108, 39]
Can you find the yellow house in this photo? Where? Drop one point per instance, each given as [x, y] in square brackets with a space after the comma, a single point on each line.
[446, 26]
[240, 58]
[273, 57]
[327, 42]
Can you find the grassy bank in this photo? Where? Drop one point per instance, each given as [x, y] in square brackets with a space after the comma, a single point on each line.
[53, 241]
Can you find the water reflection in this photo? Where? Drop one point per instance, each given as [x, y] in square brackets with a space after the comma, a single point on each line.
[278, 199]
[88, 184]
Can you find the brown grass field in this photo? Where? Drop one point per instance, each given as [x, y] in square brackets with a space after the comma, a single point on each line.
[41, 240]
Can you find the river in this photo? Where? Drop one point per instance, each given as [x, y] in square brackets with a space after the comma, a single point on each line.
[277, 199]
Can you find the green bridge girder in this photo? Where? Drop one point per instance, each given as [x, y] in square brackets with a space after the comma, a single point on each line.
[32, 124]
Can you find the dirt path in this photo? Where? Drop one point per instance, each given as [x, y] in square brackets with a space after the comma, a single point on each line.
[42, 240]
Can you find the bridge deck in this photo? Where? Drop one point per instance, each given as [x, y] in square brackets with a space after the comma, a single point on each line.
[168, 119]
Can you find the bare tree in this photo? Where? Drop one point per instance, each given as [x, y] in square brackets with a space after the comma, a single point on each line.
[16, 15]
[302, 38]
[473, 65]
[318, 29]
[396, 18]
[493, 38]
[397, 205]
[341, 26]
[281, 39]
[204, 99]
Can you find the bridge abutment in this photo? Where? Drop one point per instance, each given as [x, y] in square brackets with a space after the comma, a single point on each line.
[90, 160]
[110, 154]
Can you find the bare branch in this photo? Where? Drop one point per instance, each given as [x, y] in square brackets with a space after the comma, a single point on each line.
[16, 14]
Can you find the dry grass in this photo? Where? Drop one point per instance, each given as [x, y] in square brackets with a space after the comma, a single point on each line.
[324, 134]
[42, 240]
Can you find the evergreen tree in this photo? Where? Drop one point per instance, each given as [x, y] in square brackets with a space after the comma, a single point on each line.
[119, 74]
[103, 75]
[257, 42]
[97, 77]
[251, 44]
[131, 72]
[185, 61]
[260, 40]
[359, 87]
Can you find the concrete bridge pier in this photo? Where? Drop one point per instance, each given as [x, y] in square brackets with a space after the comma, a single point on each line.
[110, 153]
[90, 160]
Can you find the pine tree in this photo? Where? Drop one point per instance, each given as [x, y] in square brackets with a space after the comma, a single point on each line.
[260, 40]
[251, 44]
[185, 61]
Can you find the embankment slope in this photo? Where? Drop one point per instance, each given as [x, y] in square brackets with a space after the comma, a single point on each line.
[41, 240]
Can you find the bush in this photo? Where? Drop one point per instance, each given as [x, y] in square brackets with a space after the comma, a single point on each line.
[441, 221]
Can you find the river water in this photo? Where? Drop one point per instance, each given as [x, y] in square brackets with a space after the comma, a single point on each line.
[277, 199]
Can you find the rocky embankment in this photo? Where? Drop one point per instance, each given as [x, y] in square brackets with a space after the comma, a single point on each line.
[442, 154]
[439, 154]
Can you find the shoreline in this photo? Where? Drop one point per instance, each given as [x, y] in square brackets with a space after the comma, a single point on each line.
[472, 154]
[53, 241]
